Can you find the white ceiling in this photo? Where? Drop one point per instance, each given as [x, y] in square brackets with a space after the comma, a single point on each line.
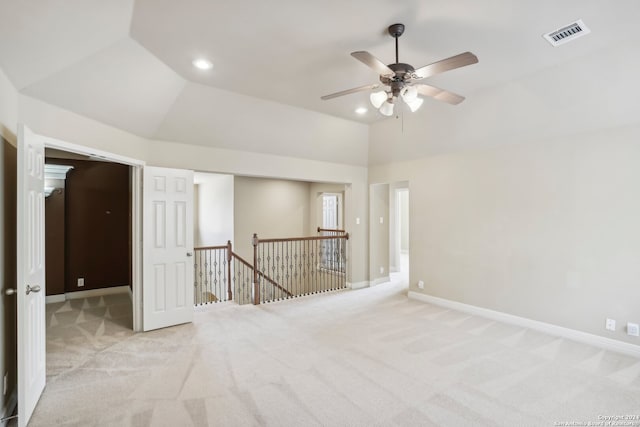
[128, 63]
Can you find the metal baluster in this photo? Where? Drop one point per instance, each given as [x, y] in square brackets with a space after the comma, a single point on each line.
[305, 266]
[197, 272]
[314, 259]
[218, 293]
[266, 297]
[300, 269]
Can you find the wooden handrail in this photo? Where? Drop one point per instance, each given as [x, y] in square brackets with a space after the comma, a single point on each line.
[204, 248]
[261, 274]
[274, 283]
[337, 230]
[298, 239]
[242, 260]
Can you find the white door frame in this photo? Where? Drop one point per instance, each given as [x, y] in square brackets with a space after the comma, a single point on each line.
[136, 213]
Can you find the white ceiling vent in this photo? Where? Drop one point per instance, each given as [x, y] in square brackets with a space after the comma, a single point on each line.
[567, 33]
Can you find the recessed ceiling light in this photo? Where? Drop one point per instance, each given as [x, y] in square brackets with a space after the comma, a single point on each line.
[361, 110]
[202, 64]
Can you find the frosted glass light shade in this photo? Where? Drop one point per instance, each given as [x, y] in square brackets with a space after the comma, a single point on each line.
[415, 104]
[386, 109]
[377, 98]
[409, 93]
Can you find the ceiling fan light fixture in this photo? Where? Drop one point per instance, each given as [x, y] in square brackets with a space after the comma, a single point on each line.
[378, 98]
[386, 109]
[409, 94]
[415, 104]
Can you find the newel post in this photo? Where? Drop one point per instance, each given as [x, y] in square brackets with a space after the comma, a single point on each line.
[229, 259]
[256, 284]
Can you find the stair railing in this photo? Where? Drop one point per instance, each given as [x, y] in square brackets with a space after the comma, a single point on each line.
[299, 265]
[281, 269]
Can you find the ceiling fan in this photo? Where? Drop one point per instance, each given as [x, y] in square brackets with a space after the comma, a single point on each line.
[400, 79]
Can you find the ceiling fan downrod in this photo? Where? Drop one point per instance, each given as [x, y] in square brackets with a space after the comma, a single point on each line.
[395, 31]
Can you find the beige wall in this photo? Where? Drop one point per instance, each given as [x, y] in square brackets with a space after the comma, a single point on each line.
[8, 130]
[52, 121]
[546, 230]
[272, 208]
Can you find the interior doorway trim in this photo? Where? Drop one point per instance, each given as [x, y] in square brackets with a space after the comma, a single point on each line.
[136, 213]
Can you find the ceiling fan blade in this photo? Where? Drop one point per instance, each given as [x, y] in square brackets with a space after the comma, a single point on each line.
[372, 62]
[348, 91]
[439, 94]
[451, 63]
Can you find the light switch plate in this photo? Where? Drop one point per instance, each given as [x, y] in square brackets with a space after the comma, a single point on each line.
[610, 325]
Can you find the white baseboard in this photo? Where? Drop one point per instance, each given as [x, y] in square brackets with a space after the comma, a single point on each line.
[89, 293]
[358, 285]
[380, 280]
[548, 328]
[55, 298]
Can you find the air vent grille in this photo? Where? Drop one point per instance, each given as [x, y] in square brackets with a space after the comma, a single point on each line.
[567, 33]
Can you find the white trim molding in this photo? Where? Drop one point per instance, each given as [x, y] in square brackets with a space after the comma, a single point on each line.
[98, 292]
[380, 280]
[548, 328]
[55, 298]
[358, 285]
[89, 293]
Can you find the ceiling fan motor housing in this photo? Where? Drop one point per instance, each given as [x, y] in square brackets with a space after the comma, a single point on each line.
[403, 73]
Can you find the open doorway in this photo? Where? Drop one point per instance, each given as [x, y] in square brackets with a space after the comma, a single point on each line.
[88, 246]
[389, 238]
[399, 231]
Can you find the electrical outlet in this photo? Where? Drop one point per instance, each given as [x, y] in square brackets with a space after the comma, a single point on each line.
[421, 284]
[357, 221]
[80, 282]
[5, 383]
[610, 325]
[381, 270]
[381, 220]
[633, 329]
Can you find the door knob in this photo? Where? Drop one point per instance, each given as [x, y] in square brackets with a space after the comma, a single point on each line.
[189, 253]
[35, 288]
[9, 291]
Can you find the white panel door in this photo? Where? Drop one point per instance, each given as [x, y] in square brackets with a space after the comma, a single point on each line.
[167, 245]
[30, 271]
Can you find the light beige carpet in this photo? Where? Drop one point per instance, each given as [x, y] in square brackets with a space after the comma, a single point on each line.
[369, 357]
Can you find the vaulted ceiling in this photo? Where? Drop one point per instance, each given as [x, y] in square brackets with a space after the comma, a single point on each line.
[129, 63]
